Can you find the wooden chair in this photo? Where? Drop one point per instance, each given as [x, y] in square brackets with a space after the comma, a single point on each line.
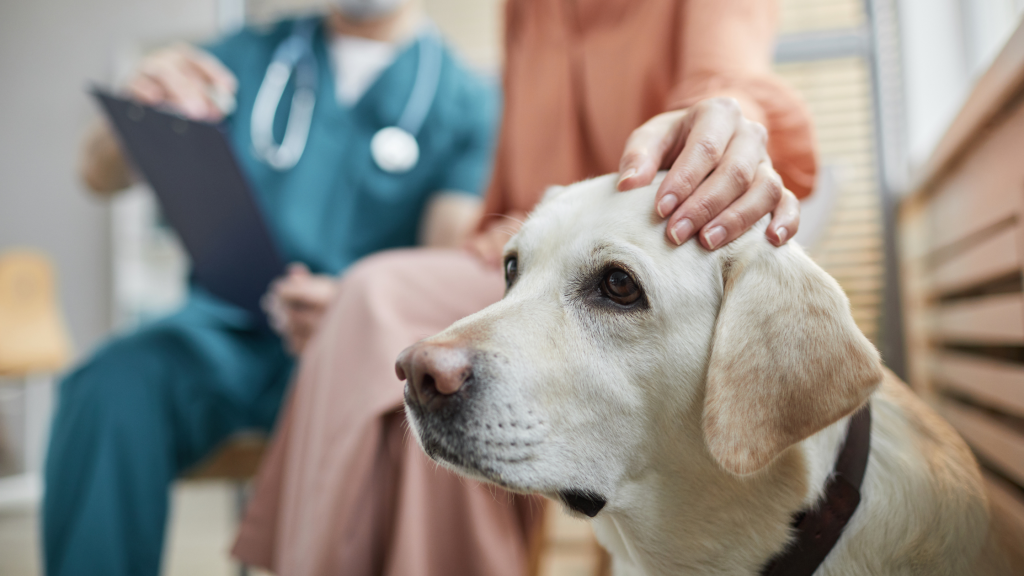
[237, 459]
[33, 336]
[33, 345]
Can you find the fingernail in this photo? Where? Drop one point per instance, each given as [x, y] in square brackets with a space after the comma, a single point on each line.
[627, 175]
[682, 231]
[781, 233]
[195, 108]
[667, 204]
[714, 236]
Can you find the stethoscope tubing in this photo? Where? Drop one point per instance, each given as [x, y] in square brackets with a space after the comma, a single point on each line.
[295, 55]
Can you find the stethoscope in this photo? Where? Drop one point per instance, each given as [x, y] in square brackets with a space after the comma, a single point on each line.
[394, 148]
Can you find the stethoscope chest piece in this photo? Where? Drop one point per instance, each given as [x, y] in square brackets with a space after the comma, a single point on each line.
[394, 150]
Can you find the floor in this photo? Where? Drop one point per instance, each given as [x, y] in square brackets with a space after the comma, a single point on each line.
[202, 525]
[203, 522]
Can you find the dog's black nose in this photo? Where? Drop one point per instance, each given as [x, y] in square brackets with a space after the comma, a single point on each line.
[434, 372]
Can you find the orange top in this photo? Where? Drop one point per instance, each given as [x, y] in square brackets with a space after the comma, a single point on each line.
[580, 75]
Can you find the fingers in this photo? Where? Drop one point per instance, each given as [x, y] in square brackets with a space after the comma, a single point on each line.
[721, 181]
[185, 89]
[277, 315]
[222, 86]
[304, 290]
[648, 146]
[762, 197]
[210, 68]
[146, 90]
[297, 334]
[785, 219]
[298, 269]
[714, 123]
[296, 303]
[731, 179]
[185, 79]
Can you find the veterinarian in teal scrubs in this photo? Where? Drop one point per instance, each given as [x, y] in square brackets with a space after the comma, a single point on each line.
[151, 403]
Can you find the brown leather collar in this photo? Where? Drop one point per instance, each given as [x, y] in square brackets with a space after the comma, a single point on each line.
[818, 529]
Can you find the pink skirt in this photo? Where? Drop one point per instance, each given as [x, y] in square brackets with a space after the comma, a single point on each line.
[344, 489]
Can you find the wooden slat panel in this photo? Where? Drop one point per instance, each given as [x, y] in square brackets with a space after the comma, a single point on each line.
[1007, 507]
[800, 15]
[987, 320]
[989, 259]
[996, 384]
[998, 445]
[996, 86]
[1004, 496]
[984, 189]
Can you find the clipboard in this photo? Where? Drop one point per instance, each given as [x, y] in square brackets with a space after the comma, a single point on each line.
[204, 196]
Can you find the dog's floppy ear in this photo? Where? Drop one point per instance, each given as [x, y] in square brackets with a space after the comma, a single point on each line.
[787, 359]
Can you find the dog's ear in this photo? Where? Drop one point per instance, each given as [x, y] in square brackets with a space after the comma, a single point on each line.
[787, 358]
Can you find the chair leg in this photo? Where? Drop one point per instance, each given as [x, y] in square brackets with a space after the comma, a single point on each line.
[241, 499]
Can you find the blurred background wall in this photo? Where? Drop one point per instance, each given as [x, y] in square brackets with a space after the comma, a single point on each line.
[50, 50]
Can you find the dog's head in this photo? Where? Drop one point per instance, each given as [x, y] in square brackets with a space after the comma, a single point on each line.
[608, 338]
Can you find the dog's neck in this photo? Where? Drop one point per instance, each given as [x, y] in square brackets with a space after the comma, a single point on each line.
[684, 514]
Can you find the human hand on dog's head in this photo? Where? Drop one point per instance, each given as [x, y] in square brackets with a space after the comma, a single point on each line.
[720, 180]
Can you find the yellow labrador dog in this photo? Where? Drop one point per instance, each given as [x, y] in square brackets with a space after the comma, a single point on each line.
[695, 404]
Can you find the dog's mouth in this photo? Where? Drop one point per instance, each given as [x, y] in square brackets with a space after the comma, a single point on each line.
[450, 436]
[443, 438]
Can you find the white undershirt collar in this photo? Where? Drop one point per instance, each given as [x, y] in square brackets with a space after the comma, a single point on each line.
[357, 63]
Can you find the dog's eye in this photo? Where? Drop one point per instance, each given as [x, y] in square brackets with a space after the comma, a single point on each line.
[511, 271]
[620, 287]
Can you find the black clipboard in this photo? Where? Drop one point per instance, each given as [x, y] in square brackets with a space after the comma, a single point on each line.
[204, 196]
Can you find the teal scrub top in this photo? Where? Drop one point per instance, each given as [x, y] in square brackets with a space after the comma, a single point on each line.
[336, 205]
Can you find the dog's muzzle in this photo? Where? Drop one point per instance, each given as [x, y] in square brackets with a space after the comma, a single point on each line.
[440, 393]
[434, 373]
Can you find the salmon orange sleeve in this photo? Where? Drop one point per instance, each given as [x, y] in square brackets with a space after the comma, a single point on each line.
[727, 48]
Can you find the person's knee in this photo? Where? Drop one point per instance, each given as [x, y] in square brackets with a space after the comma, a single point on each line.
[377, 277]
[399, 273]
[392, 286]
[379, 268]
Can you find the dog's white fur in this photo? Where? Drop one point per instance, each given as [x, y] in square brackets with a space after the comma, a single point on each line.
[708, 418]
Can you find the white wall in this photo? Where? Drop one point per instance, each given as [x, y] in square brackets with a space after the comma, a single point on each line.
[474, 27]
[50, 50]
[947, 45]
